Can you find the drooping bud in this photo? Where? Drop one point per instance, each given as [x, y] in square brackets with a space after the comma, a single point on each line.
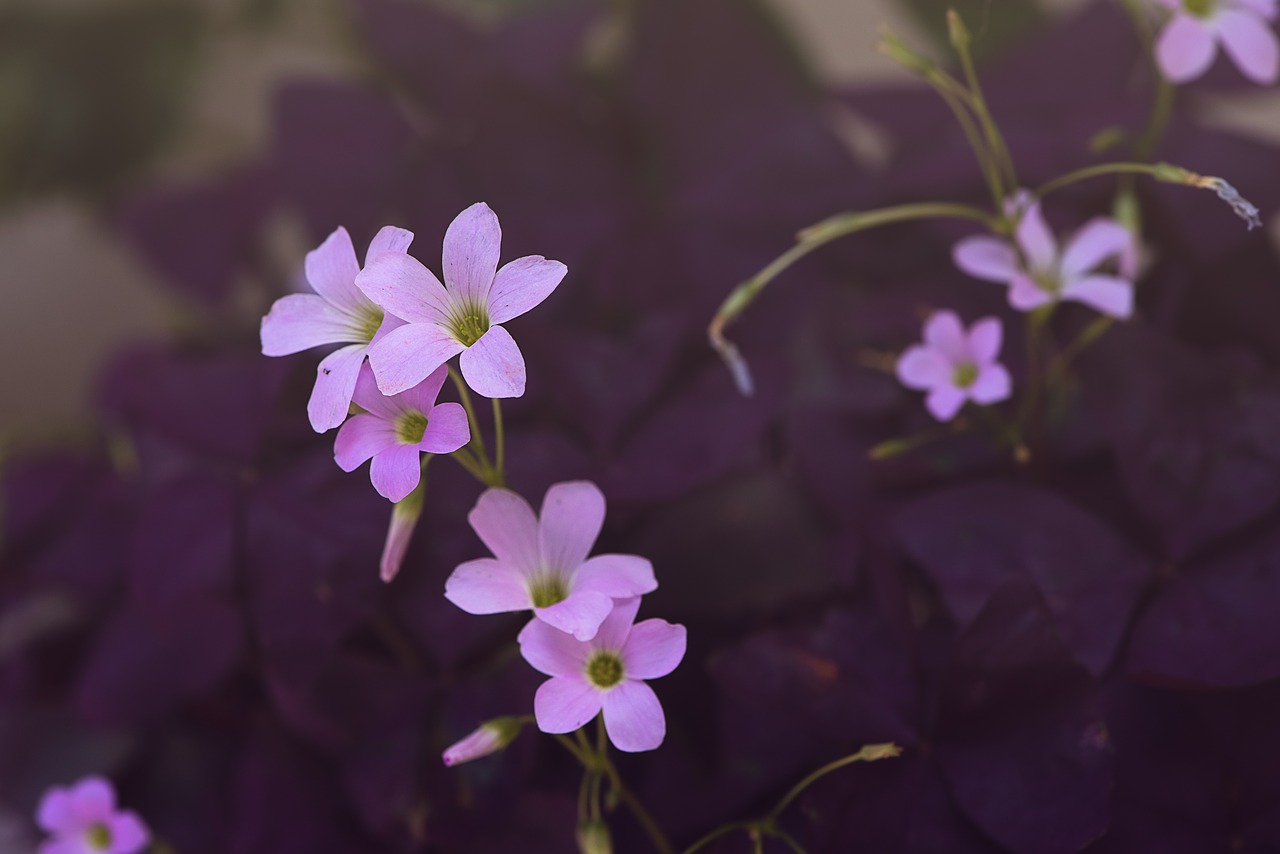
[404, 518]
[489, 737]
[593, 837]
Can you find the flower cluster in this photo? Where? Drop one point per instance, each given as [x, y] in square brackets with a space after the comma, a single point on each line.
[84, 819]
[1189, 41]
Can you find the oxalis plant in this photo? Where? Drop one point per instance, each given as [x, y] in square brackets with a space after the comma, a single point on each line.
[398, 328]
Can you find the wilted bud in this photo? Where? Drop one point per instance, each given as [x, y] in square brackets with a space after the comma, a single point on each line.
[593, 837]
[489, 737]
[404, 518]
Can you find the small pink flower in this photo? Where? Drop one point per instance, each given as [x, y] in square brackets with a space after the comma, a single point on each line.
[606, 673]
[489, 737]
[1189, 42]
[542, 563]
[462, 315]
[955, 366]
[404, 518]
[337, 313]
[83, 819]
[1038, 274]
[395, 430]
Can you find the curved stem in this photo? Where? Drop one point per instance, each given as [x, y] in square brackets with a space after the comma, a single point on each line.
[722, 830]
[868, 753]
[995, 140]
[1159, 171]
[477, 435]
[651, 828]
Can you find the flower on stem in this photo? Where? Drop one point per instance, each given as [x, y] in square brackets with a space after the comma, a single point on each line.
[1038, 274]
[541, 563]
[83, 819]
[337, 313]
[404, 518]
[1189, 42]
[463, 314]
[606, 673]
[393, 430]
[955, 366]
[489, 737]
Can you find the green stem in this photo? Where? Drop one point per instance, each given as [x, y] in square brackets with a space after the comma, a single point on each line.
[655, 834]
[1160, 171]
[868, 753]
[722, 830]
[499, 441]
[464, 458]
[477, 435]
[995, 141]
[894, 447]
[1087, 336]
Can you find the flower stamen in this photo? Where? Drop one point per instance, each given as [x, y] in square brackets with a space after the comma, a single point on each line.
[410, 427]
[547, 589]
[469, 323]
[98, 837]
[604, 669]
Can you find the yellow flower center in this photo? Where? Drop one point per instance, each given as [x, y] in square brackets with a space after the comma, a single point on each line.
[469, 322]
[1200, 8]
[98, 837]
[604, 669]
[547, 589]
[964, 374]
[370, 323]
[410, 426]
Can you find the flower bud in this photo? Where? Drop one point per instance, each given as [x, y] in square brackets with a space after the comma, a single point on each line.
[593, 837]
[489, 737]
[404, 518]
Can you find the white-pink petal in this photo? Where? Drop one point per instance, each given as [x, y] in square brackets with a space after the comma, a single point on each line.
[362, 438]
[401, 285]
[299, 322]
[653, 649]
[128, 833]
[992, 385]
[1026, 295]
[1185, 49]
[404, 518]
[615, 628]
[410, 354]
[388, 239]
[986, 258]
[564, 704]
[396, 471]
[447, 429]
[331, 270]
[619, 576]
[471, 247]
[923, 368]
[551, 651]
[985, 338]
[1110, 295]
[493, 366]
[944, 402]
[571, 518]
[1251, 44]
[370, 398]
[944, 333]
[580, 614]
[523, 284]
[336, 378]
[488, 586]
[633, 717]
[1097, 241]
[1035, 239]
[423, 396]
[56, 811]
[505, 523]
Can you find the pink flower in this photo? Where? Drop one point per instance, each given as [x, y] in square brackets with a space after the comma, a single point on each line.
[395, 430]
[83, 819]
[1189, 42]
[606, 673]
[404, 518]
[462, 315]
[489, 737]
[955, 366]
[1038, 275]
[542, 563]
[337, 313]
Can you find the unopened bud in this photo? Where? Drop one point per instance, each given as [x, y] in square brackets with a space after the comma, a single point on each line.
[593, 837]
[894, 48]
[489, 737]
[404, 518]
[957, 31]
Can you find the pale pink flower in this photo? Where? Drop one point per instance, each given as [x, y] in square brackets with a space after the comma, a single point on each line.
[337, 313]
[606, 674]
[1038, 274]
[394, 430]
[463, 314]
[955, 366]
[404, 519]
[542, 563]
[489, 737]
[83, 819]
[1189, 42]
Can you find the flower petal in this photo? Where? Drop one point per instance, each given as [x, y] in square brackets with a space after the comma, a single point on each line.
[447, 430]
[56, 812]
[299, 322]
[404, 519]
[1095, 242]
[388, 239]
[521, 285]
[619, 576]
[422, 396]
[580, 614]
[571, 517]
[944, 402]
[488, 586]
[395, 471]
[1185, 49]
[62, 846]
[985, 337]
[331, 270]
[370, 398]
[336, 378]
[551, 651]
[505, 523]
[986, 258]
[1267, 9]
[128, 833]
[362, 438]
[401, 285]
[1251, 45]
[563, 704]
[1035, 239]
[923, 368]
[471, 247]
[633, 717]
[992, 385]
[93, 799]
[1110, 295]
[410, 354]
[1026, 295]
[653, 649]
[493, 366]
[615, 628]
[944, 334]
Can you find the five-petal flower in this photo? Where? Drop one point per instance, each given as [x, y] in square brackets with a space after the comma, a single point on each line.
[337, 313]
[395, 429]
[1188, 43]
[955, 366]
[83, 819]
[1038, 274]
[542, 563]
[461, 316]
[605, 673]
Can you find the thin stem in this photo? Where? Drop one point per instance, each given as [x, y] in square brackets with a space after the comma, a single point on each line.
[722, 830]
[893, 447]
[477, 435]
[995, 141]
[789, 840]
[1087, 336]
[499, 441]
[651, 828]
[1036, 321]
[869, 753]
[1159, 171]
[464, 458]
